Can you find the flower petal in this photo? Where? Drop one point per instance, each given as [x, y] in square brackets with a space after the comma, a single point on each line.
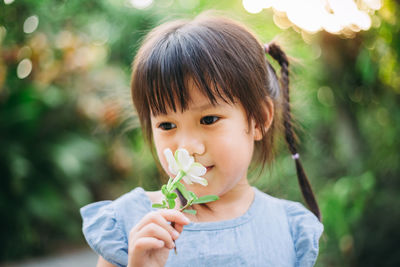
[197, 169]
[172, 165]
[184, 159]
[187, 180]
[168, 155]
[197, 179]
[173, 168]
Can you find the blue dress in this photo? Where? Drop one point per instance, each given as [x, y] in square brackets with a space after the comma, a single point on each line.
[273, 232]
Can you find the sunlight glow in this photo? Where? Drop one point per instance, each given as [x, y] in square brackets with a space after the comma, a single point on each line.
[253, 6]
[311, 16]
[141, 4]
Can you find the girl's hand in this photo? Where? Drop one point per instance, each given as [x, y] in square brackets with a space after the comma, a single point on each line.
[152, 238]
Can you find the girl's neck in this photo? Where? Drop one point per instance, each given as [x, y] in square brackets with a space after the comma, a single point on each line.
[231, 205]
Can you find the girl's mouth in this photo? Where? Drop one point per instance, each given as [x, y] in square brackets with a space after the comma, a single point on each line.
[209, 168]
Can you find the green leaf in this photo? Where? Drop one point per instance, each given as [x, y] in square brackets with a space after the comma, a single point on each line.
[190, 211]
[158, 206]
[171, 203]
[205, 199]
[172, 195]
[183, 190]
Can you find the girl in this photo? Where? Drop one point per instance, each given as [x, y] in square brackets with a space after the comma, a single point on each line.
[205, 85]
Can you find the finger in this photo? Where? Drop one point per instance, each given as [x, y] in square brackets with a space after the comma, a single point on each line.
[179, 227]
[156, 231]
[162, 217]
[157, 218]
[160, 220]
[174, 216]
[146, 243]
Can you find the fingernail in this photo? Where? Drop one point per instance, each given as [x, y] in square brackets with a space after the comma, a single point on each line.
[186, 219]
[171, 246]
[175, 234]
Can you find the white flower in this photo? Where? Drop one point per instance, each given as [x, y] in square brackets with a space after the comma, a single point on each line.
[185, 163]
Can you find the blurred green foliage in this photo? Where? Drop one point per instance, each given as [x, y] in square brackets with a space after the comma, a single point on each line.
[60, 144]
[68, 134]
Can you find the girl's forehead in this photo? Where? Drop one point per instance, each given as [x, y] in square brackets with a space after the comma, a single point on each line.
[198, 98]
[200, 102]
[197, 101]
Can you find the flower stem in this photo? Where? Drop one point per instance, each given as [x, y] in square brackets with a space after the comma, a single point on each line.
[186, 206]
[176, 180]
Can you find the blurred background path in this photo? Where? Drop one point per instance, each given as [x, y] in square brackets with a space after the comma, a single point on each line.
[79, 258]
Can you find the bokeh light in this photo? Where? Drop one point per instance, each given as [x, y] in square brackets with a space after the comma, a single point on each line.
[141, 4]
[253, 6]
[334, 16]
[31, 24]
[3, 33]
[24, 68]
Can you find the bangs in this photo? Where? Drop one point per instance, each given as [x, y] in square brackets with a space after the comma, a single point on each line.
[185, 58]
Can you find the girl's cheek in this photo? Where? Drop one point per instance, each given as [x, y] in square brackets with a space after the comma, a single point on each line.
[164, 164]
[161, 156]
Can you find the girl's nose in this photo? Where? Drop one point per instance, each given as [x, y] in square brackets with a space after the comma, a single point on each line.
[194, 145]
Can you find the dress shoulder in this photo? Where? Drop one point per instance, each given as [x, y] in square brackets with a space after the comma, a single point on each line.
[306, 230]
[106, 224]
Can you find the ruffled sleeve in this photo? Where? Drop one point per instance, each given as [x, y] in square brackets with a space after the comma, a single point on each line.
[306, 230]
[106, 224]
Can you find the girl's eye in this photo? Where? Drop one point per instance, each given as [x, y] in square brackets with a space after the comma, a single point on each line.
[209, 120]
[166, 126]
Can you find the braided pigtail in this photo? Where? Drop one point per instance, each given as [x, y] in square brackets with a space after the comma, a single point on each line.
[276, 52]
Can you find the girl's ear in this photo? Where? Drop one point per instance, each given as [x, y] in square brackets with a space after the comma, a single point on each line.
[268, 115]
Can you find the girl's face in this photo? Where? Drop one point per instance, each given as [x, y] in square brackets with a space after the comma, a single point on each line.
[217, 136]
